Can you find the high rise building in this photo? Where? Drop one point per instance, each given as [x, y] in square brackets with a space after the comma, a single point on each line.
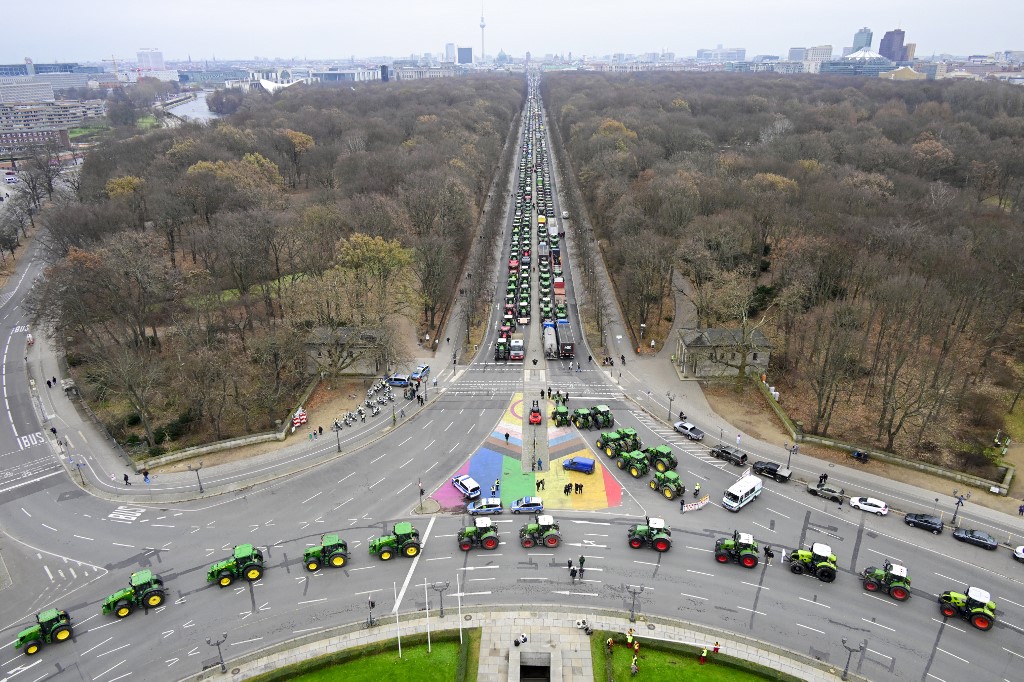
[449, 52]
[908, 52]
[150, 59]
[862, 39]
[797, 54]
[891, 46]
[465, 55]
[819, 53]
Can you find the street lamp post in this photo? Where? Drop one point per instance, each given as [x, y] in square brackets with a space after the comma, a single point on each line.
[792, 451]
[671, 397]
[220, 655]
[440, 588]
[196, 469]
[633, 590]
[849, 654]
[960, 499]
[78, 465]
[337, 430]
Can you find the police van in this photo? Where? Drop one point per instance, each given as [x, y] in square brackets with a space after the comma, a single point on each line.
[742, 493]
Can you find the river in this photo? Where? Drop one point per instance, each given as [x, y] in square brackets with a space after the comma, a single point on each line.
[195, 110]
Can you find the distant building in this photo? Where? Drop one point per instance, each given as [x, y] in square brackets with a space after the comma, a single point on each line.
[860, 63]
[415, 73]
[891, 46]
[797, 54]
[932, 70]
[862, 39]
[903, 73]
[723, 54]
[211, 77]
[334, 75]
[819, 53]
[24, 90]
[29, 124]
[465, 55]
[150, 59]
[29, 68]
[717, 352]
[908, 52]
[449, 53]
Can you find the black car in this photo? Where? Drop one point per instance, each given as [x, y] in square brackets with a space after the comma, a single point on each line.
[926, 521]
[976, 537]
[773, 470]
[729, 454]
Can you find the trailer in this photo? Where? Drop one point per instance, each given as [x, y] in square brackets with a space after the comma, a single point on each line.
[566, 341]
[543, 250]
[550, 341]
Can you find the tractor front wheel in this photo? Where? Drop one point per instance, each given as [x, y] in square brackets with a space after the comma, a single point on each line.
[465, 545]
[653, 484]
[32, 648]
[385, 554]
[899, 593]
[252, 572]
[871, 586]
[411, 549]
[526, 542]
[123, 609]
[981, 621]
[668, 493]
[722, 557]
[636, 543]
[63, 632]
[621, 464]
[312, 565]
[948, 610]
[337, 560]
[797, 568]
[225, 578]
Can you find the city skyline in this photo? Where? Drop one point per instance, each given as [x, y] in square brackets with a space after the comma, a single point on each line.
[320, 29]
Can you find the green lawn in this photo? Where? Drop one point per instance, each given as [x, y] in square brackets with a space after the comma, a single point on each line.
[415, 664]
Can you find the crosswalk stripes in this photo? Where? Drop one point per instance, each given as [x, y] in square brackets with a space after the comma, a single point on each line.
[675, 440]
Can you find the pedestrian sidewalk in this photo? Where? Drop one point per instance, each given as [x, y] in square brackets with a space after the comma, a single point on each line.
[552, 638]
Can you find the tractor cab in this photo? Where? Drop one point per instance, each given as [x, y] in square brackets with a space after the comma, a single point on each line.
[482, 523]
[245, 553]
[143, 579]
[561, 416]
[743, 540]
[978, 598]
[821, 552]
[545, 520]
[895, 570]
[657, 524]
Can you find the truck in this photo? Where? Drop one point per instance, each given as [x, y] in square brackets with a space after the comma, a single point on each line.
[543, 250]
[561, 311]
[516, 349]
[566, 342]
[550, 341]
[559, 287]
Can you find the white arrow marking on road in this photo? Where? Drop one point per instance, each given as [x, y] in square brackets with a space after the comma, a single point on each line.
[167, 633]
[188, 624]
[171, 662]
[20, 669]
[264, 607]
[194, 651]
[180, 601]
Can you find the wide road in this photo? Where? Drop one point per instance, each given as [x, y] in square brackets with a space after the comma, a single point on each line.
[64, 548]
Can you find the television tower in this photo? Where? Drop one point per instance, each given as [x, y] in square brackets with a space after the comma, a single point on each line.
[482, 26]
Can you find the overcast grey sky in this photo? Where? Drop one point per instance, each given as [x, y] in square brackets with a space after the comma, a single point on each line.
[72, 30]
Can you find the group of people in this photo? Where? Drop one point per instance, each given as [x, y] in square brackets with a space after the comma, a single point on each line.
[572, 488]
[573, 571]
[558, 397]
[633, 646]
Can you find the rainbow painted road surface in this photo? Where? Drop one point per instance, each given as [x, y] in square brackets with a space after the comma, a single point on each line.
[499, 462]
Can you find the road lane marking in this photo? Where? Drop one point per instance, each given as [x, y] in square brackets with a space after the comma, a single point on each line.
[938, 648]
[816, 603]
[890, 602]
[871, 622]
[97, 646]
[108, 670]
[879, 653]
[956, 580]
[372, 461]
[246, 641]
[710, 575]
[1012, 602]
[765, 527]
[410, 460]
[1013, 652]
[775, 512]
[743, 608]
[311, 601]
[935, 677]
[113, 650]
[296, 632]
[701, 549]
[808, 627]
[50, 527]
[310, 498]
[415, 563]
[949, 625]
[755, 585]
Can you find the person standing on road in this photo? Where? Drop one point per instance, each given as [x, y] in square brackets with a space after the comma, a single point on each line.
[769, 554]
[126, 481]
[737, 440]
[506, 438]
[582, 560]
[572, 574]
[570, 564]
[1020, 510]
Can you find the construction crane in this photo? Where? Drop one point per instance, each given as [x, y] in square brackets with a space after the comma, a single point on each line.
[117, 74]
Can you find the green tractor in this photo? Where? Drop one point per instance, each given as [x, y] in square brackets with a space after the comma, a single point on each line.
[501, 350]
[975, 607]
[247, 562]
[561, 416]
[817, 561]
[739, 549]
[661, 458]
[581, 418]
[332, 551]
[561, 312]
[52, 625]
[655, 534]
[635, 462]
[602, 417]
[404, 537]
[630, 438]
[480, 534]
[891, 578]
[668, 484]
[611, 443]
[543, 532]
[145, 589]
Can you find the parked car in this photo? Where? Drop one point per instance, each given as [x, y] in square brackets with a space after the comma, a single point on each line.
[729, 454]
[466, 485]
[582, 464]
[485, 505]
[689, 430]
[870, 504]
[420, 373]
[1018, 554]
[535, 416]
[976, 537]
[829, 492]
[527, 505]
[398, 380]
[926, 521]
[773, 470]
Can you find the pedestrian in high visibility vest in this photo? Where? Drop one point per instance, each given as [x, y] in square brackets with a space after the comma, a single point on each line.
[703, 655]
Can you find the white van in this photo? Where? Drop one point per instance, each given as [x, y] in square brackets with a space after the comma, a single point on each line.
[742, 492]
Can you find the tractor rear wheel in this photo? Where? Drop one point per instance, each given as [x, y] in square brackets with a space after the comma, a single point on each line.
[634, 471]
[668, 493]
[654, 484]
[660, 466]
[662, 545]
[252, 572]
[636, 543]
[337, 559]
[826, 574]
[553, 540]
[797, 567]
[312, 565]
[465, 545]
[153, 598]
[32, 648]
[62, 632]
[871, 586]
[621, 463]
[225, 578]
[411, 549]
[722, 557]
[948, 610]
[526, 541]
[748, 560]
[981, 621]
[490, 543]
[899, 593]
[385, 554]
[123, 609]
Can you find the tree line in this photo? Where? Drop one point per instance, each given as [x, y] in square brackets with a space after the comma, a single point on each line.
[191, 267]
[872, 230]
